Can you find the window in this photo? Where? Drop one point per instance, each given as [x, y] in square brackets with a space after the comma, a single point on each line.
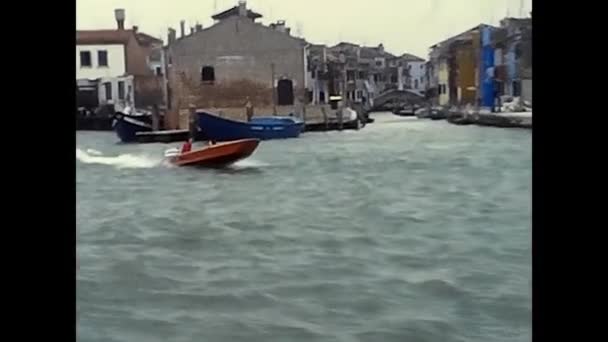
[379, 63]
[102, 58]
[108, 88]
[159, 71]
[350, 75]
[85, 59]
[361, 75]
[394, 79]
[518, 51]
[415, 84]
[322, 97]
[359, 94]
[376, 77]
[208, 74]
[121, 90]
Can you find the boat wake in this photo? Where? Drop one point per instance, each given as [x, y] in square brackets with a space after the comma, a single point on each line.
[93, 152]
[249, 164]
[130, 161]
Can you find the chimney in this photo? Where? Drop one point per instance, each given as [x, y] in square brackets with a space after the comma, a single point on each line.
[135, 28]
[171, 36]
[242, 8]
[198, 27]
[119, 14]
[381, 48]
[280, 26]
[191, 30]
[182, 28]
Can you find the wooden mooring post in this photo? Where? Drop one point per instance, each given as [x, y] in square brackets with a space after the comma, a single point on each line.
[192, 122]
[274, 95]
[155, 118]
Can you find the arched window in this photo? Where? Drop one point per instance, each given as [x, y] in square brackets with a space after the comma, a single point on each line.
[208, 74]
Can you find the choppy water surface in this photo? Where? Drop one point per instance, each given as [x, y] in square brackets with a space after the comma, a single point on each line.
[407, 230]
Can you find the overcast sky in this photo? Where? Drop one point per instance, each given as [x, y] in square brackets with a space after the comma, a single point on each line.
[401, 25]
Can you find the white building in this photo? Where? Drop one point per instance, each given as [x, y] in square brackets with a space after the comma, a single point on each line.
[122, 63]
[97, 61]
[416, 67]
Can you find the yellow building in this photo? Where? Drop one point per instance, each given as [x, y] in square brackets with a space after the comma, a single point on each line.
[466, 81]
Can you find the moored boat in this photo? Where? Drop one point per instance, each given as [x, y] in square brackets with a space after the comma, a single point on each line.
[217, 155]
[262, 128]
[127, 126]
[138, 129]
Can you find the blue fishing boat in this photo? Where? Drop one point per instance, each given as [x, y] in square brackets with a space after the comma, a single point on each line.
[127, 126]
[263, 128]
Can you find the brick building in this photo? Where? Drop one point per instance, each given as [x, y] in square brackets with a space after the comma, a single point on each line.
[237, 58]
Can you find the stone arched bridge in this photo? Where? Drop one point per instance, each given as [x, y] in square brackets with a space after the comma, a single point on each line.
[397, 98]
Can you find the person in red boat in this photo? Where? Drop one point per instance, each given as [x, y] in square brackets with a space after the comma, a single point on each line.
[187, 146]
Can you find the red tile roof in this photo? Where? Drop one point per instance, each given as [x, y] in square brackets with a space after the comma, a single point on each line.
[91, 37]
[146, 39]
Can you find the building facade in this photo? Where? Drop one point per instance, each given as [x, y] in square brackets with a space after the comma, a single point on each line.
[416, 73]
[100, 60]
[358, 73]
[459, 68]
[443, 75]
[234, 60]
[512, 43]
[121, 63]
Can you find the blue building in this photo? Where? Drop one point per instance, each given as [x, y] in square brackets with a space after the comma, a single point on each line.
[486, 80]
[512, 43]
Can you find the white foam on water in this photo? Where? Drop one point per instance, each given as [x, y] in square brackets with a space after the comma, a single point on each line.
[249, 163]
[127, 160]
[93, 152]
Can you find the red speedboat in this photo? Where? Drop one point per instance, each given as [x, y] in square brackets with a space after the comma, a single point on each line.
[216, 155]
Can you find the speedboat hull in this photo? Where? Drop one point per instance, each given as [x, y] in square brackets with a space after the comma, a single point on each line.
[217, 155]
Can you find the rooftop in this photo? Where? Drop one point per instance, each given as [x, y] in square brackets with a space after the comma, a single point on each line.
[464, 35]
[411, 58]
[146, 39]
[234, 11]
[89, 37]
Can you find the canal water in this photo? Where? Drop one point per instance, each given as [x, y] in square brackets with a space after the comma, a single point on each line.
[408, 230]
